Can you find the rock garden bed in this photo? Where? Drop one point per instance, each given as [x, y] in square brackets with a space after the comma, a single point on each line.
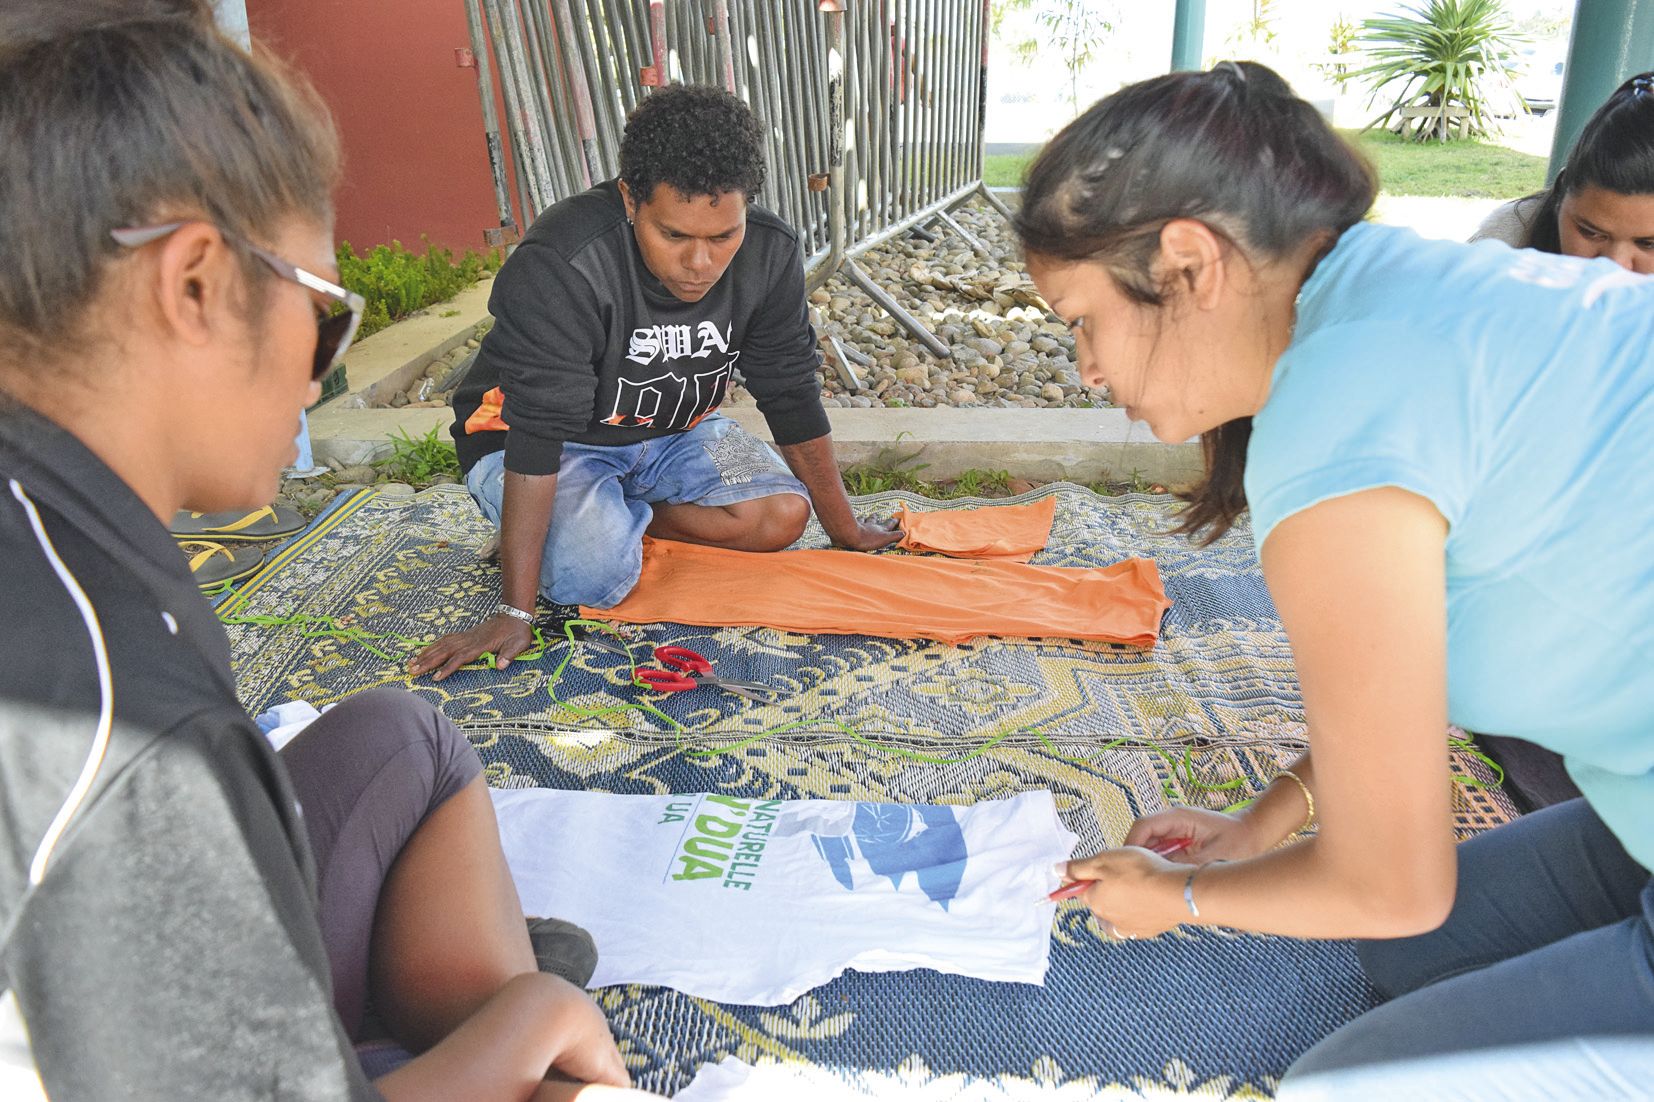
[1008, 352]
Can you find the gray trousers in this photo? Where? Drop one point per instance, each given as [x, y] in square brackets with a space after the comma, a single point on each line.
[1539, 986]
[366, 774]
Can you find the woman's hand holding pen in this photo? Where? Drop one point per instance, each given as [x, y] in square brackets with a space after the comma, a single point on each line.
[1137, 890]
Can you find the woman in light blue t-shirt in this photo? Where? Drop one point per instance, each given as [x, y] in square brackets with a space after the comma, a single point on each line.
[1439, 445]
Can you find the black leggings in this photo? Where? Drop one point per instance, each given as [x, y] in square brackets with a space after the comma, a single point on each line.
[366, 775]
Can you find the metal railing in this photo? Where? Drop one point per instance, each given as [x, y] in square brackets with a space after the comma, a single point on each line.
[872, 115]
[915, 99]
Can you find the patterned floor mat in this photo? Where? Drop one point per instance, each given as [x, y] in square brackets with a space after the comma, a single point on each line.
[1112, 732]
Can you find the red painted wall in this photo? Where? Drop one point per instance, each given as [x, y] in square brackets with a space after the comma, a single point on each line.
[410, 118]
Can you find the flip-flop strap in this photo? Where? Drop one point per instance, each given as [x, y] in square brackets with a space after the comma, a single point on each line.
[247, 521]
[208, 550]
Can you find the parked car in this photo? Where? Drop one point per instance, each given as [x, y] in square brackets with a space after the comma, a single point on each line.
[1540, 81]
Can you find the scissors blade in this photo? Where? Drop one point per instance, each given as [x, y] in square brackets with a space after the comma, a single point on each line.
[600, 644]
[758, 693]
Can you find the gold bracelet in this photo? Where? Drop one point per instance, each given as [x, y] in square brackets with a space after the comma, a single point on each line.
[1309, 797]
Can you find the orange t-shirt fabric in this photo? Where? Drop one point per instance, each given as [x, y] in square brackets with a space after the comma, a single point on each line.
[1013, 532]
[893, 596]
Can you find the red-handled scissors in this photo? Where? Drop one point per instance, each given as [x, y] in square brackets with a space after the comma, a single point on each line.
[684, 670]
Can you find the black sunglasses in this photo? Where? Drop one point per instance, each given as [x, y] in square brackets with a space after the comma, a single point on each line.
[334, 332]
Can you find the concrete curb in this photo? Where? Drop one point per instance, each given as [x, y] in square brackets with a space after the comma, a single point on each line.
[1079, 445]
[393, 358]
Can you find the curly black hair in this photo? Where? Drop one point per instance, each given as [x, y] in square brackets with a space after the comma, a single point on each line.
[695, 137]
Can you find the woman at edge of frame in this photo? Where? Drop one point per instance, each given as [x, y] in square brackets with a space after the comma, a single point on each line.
[1602, 201]
[1601, 204]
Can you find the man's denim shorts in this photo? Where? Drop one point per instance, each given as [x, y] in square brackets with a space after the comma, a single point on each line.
[594, 552]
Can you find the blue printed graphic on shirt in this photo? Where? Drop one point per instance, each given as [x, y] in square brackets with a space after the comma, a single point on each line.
[894, 840]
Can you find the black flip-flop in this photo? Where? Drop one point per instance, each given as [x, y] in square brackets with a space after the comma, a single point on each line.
[563, 949]
[268, 523]
[213, 564]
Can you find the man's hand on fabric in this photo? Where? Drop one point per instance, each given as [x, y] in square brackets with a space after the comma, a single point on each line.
[505, 637]
[867, 535]
[814, 464]
[525, 518]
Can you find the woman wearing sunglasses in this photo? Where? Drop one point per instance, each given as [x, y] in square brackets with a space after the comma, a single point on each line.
[185, 914]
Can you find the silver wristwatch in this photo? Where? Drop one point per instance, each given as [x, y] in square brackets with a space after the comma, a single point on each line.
[503, 609]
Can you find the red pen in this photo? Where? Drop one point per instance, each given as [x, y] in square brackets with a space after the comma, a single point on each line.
[1165, 848]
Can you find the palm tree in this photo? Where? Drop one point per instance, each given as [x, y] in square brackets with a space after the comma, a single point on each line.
[1446, 54]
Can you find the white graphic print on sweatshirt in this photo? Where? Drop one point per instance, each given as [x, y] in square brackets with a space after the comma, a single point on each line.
[681, 395]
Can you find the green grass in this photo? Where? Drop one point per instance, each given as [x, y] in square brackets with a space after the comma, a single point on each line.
[890, 471]
[872, 478]
[418, 459]
[1004, 169]
[895, 471]
[1467, 169]
[1134, 484]
[979, 483]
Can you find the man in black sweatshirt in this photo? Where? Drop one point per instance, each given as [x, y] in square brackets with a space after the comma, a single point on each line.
[591, 417]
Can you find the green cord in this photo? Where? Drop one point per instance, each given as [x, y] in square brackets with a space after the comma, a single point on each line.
[331, 628]
[1466, 746]
[1181, 766]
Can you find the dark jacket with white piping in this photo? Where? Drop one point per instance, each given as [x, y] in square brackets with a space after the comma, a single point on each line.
[171, 948]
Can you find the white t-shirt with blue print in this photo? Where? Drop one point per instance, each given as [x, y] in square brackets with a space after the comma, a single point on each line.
[753, 901]
[1515, 391]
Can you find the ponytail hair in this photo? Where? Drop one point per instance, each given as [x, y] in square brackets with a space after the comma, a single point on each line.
[1614, 151]
[1233, 148]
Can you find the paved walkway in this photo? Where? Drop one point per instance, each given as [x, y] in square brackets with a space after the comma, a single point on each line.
[1451, 219]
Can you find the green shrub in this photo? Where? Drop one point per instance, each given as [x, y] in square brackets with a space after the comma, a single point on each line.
[1446, 53]
[396, 282]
